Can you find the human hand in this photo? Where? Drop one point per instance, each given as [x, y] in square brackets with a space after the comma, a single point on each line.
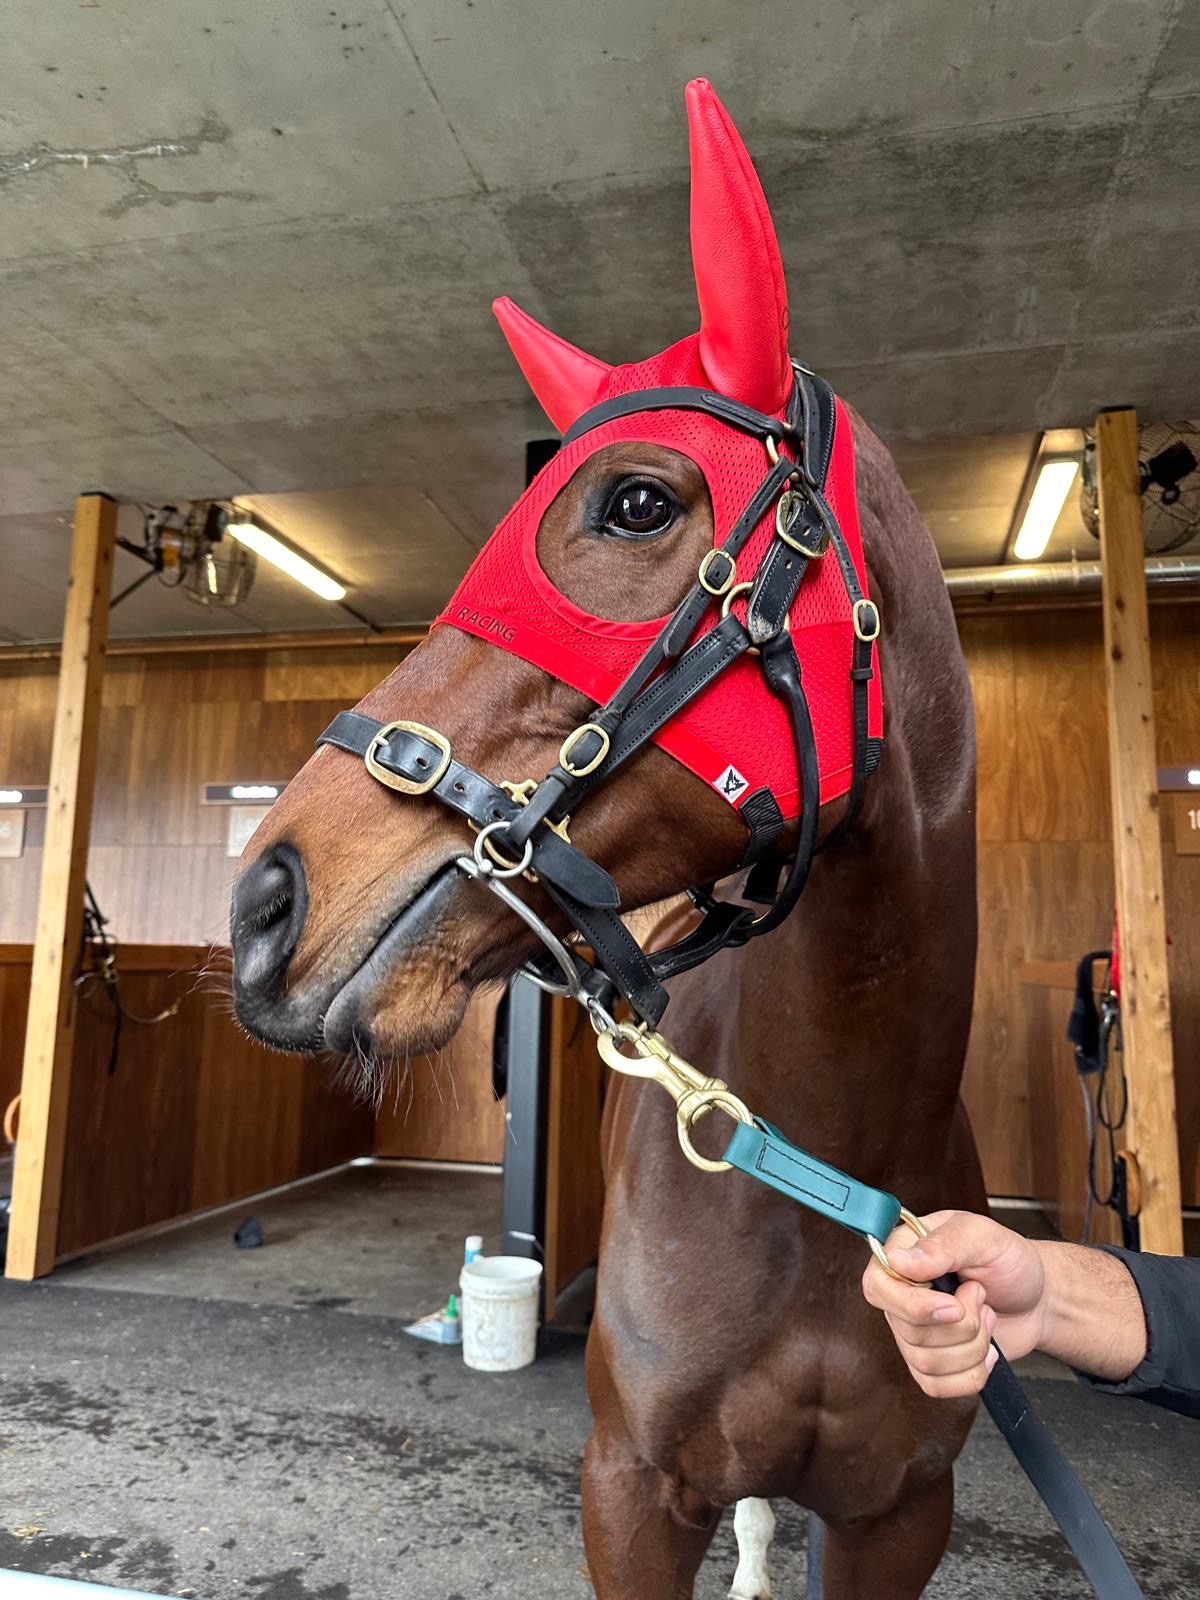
[946, 1339]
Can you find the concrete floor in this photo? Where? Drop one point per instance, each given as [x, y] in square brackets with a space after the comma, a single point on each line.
[383, 1240]
[260, 1429]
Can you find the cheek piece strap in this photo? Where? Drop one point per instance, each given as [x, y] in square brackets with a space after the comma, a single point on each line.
[522, 828]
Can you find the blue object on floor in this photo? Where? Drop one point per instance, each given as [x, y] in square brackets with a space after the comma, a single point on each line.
[34, 1586]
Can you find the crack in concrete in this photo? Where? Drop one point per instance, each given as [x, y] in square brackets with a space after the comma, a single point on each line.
[123, 159]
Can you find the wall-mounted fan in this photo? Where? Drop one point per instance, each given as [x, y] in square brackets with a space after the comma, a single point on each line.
[191, 551]
[1169, 463]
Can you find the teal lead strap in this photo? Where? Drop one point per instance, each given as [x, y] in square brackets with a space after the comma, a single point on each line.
[761, 1151]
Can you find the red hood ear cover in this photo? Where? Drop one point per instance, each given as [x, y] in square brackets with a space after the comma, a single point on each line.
[742, 345]
[735, 734]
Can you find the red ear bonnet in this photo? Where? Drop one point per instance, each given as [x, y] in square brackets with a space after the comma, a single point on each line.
[566, 380]
[735, 734]
[742, 346]
[735, 256]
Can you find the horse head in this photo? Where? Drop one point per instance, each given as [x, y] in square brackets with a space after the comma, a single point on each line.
[352, 924]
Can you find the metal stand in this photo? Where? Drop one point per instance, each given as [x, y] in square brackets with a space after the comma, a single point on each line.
[524, 1045]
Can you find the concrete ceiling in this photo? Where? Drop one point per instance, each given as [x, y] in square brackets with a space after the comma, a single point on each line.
[248, 251]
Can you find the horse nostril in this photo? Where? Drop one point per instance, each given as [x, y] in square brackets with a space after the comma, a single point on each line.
[276, 885]
[269, 907]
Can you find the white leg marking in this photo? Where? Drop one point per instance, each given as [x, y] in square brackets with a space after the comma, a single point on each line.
[754, 1524]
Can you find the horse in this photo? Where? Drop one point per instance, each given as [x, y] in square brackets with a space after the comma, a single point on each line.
[732, 1359]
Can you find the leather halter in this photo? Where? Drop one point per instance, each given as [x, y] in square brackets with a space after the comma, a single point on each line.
[526, 831]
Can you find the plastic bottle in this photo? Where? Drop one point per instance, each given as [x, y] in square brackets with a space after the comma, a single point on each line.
[472, 1248]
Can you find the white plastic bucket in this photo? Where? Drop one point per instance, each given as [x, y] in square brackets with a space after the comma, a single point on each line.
[500, 1312]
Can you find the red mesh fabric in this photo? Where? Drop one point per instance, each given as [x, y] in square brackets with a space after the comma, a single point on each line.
[507, 599]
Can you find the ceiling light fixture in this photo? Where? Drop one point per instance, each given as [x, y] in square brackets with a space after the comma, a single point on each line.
[280, 554]
[1049, 495]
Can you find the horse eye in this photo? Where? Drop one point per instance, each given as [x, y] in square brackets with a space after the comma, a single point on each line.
[640, 508]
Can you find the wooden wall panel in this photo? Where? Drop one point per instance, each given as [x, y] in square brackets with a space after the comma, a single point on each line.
[195, 1114]
[1045, 879]
[1045, 867]
[14, 1008]
[442, 1107]
[171, 723]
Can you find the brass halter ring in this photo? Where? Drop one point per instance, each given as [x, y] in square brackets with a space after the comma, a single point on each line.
[910, 1220]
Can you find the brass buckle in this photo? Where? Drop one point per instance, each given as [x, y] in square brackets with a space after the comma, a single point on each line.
[820, 544]
[393, 780]
[572, 739]
[718, 590]
[869, 630]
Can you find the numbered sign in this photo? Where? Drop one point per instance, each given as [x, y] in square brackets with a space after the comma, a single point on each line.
[1187, 823]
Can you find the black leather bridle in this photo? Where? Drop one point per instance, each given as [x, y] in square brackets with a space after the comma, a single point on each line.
[523, 827]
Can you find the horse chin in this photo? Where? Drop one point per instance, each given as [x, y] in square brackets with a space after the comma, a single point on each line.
[410, 993]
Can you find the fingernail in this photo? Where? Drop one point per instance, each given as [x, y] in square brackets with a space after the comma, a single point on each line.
[991, 1319]
[991, 1358]
[948, 1314]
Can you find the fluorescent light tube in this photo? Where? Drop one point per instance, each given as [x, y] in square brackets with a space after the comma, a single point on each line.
[281, 555]
[1049, 495]
[1194, 776]
[13, 797]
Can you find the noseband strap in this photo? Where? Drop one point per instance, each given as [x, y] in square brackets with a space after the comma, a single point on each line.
[526, 825]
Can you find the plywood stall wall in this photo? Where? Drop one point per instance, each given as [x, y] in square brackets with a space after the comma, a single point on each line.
[1045, 861]
[170, 724]
[196, 1114]
[191, 1115]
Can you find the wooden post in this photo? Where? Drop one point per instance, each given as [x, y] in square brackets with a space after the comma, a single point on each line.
[1137, 842]
[50, 1031]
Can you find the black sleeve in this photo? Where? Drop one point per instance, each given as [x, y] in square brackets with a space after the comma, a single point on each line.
[1170, 1291]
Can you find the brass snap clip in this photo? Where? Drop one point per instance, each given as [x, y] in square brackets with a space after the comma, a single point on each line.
[694, 1094]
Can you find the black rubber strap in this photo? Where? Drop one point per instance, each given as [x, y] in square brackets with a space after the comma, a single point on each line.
[728, 926]
[724, 924]
[782, 668]
[1053, 1476]
[761, 814]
